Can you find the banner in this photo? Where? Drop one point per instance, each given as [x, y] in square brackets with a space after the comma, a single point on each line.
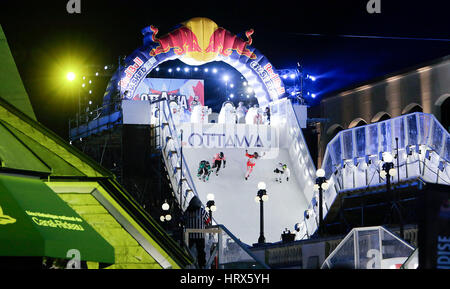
[187, 92]
[196, 42]
[229, 136]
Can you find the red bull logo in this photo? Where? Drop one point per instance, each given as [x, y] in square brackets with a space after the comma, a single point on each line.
[181, 40]
[196, 42]
[129, 71]
[202, 40]
[224, 42]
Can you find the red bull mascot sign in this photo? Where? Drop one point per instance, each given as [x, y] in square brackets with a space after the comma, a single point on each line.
[196, 42]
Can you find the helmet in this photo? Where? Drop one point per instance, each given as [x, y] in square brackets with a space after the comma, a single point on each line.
[284, 166]
[255, 154]
[221, 154]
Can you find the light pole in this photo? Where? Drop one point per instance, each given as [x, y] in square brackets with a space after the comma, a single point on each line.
[261, 197]
[388, 170]
[321, 184]
[180, 186]
[166, 215]
[210, 206]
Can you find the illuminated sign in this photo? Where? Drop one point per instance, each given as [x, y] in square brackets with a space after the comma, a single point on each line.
[56, 221]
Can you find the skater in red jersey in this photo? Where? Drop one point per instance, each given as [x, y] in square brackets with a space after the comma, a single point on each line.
[251, 162]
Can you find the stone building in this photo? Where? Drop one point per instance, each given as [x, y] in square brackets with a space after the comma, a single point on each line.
[424, 88]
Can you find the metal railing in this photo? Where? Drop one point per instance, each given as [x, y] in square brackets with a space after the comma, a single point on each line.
[226, 250]
[92, 121]
[171, 145]
[354, 157]
[303, 165]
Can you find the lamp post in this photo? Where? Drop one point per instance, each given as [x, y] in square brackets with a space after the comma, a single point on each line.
[388, 170]
[180, 187]
[210, 206]
[166, 215]
[261, 197]
[321, 184]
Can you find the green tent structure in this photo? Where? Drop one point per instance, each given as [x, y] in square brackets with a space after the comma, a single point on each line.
[55, 200]
[11, 88]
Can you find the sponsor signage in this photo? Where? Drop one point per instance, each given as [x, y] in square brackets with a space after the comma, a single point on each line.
[196, 42]
[186, 92]
[229, 136]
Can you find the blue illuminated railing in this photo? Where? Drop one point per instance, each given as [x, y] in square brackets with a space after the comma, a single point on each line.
[175, 136]
[354, 157]
[303, 165]
[284, 117]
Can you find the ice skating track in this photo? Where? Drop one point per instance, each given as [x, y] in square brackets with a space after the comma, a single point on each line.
[235, 196]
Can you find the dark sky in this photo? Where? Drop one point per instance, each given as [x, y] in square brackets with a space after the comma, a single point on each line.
[44, 38]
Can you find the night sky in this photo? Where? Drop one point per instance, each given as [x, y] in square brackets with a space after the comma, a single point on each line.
[45, 40]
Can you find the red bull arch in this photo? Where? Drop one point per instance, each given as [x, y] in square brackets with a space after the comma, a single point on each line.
[196, 42]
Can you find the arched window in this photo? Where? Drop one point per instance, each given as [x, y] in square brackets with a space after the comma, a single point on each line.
[381, 116]
[357, 122]
[445, 114]
[411, 108]
[334, 130]
[444, 103]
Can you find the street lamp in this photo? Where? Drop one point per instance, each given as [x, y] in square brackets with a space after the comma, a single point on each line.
[261, 197]
[388, 170]
[167, 218]
[165, 206]
[210, 206]
[166, 215]
[321, 184]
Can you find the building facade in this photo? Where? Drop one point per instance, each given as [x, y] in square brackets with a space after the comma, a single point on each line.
[425, 88]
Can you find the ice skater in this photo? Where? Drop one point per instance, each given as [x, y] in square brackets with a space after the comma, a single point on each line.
[280, 170]
[251, 162]
[204, 170]
[278, 173]
[218, 159]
